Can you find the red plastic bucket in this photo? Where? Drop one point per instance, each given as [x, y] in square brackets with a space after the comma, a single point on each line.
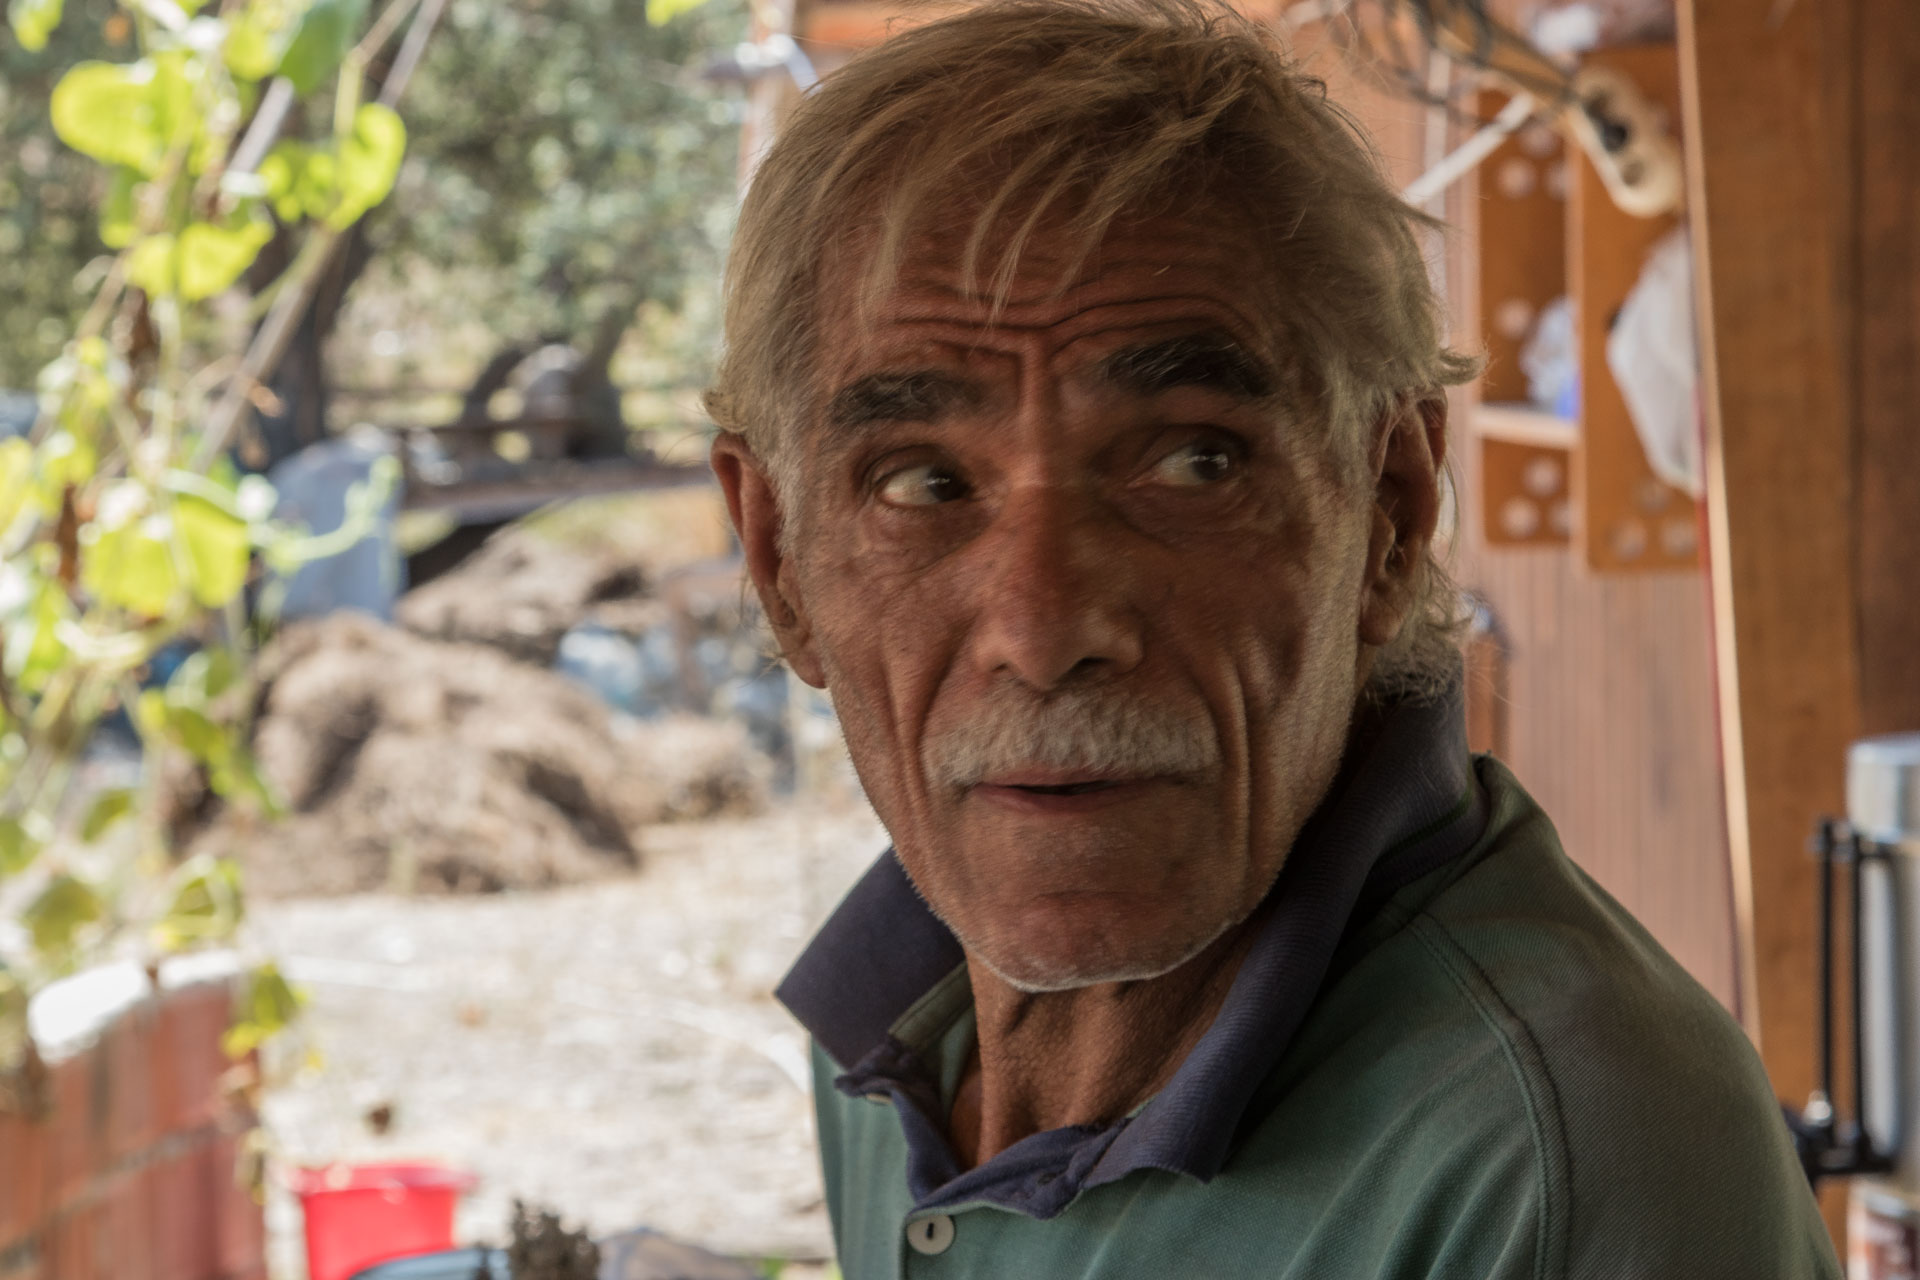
[360, 1214]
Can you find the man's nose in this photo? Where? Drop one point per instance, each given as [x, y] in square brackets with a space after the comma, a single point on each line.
[1055, 599]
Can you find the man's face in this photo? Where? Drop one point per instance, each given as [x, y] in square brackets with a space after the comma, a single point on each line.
[1087, 592]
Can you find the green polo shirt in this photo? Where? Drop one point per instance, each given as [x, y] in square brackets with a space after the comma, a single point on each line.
[1493, 1072]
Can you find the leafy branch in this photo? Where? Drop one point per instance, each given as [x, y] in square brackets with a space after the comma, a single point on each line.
[125, 531]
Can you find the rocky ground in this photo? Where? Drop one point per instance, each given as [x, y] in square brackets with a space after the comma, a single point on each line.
[609, 1049]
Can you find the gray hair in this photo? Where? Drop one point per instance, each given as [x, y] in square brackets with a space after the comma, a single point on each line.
[1073, 115]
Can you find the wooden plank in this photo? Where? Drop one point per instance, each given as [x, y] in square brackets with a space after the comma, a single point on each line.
[1763, 168]
[1523, 424]
[1626, 518]
[1887, 364]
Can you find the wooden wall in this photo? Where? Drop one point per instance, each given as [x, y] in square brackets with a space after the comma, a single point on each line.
[1805, 188]
[1883, 255]
[1610, 694]
[130, 1174]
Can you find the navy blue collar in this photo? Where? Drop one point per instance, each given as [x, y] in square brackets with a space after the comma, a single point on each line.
[1406, 803]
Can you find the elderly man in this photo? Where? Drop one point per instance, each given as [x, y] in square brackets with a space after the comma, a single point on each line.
[1083, 417]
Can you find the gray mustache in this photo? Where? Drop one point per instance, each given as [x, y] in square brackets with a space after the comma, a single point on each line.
[1096, 732]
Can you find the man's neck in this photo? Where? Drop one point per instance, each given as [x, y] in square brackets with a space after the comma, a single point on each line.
[1086, 1056]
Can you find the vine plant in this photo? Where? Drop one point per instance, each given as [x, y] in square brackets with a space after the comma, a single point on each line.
[125, 530]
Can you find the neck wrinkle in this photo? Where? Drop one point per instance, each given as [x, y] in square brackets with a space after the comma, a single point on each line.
[1087, 1056]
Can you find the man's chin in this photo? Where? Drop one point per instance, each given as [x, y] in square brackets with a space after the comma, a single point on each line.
[1064, 968]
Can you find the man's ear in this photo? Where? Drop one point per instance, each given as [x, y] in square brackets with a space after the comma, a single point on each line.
[754, 506]
[1406, 464]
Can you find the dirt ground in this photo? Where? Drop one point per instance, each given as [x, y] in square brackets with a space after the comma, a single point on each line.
[611, 1050]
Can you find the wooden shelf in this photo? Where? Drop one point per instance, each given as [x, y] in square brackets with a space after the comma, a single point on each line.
[1547, 228]
[1629, 520]
[1524, 424]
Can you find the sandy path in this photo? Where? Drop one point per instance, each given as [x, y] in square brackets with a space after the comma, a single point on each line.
[611, 1050]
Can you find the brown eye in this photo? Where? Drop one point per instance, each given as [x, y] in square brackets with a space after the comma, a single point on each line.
[1203, 462]
[926, 485]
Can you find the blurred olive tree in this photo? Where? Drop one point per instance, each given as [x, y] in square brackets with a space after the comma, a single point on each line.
[567, 165]
[48, 192]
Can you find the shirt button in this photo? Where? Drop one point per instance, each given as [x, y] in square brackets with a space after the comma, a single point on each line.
[931, 1235]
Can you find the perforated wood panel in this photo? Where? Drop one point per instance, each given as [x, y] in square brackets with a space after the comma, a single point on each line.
[1522, 192]
[1528, 502]
[1626, 519]
[1521, 189]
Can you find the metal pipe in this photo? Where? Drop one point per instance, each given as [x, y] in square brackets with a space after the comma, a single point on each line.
[1823, 1083]
[1856, 998]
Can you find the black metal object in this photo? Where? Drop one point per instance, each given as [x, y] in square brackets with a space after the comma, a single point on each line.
[640, 1254]
[448, 1264]
[1827, 1147]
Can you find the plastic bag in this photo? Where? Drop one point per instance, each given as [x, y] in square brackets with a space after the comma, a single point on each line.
[1653, 353]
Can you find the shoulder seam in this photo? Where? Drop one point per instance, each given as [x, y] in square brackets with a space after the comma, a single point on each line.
[1545, 1123]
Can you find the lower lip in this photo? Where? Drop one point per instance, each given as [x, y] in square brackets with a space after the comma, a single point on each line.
[1021, 800]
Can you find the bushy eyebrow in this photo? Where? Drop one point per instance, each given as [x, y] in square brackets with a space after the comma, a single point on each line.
[919, 396]
[1209, 360]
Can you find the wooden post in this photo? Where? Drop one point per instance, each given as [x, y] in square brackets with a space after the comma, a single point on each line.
[1762, 166]
[1886, 370]
[1803, 137]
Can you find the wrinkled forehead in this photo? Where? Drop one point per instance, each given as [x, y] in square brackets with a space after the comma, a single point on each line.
[1199, 268]
[1153, 307]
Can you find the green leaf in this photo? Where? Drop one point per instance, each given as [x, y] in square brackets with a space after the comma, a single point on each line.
[33, 21]
[150, 716]
[178, 716]
[127, 115]
[281, 168]
[212, 257]
[204, 676]
[55, 919]
[255, 45]
[206, 905]
[192, 729]
[243, 779]
[18, 847]
[269, 1006]
[369, 161]
[317, 190]
[218, 548]
[661, 12]
[133, 567]
[154, 266]
[320, 42]
[300, 180]
[107, 808]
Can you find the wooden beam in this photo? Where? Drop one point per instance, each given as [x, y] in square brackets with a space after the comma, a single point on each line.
[1886, 368]
[1765, 157]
